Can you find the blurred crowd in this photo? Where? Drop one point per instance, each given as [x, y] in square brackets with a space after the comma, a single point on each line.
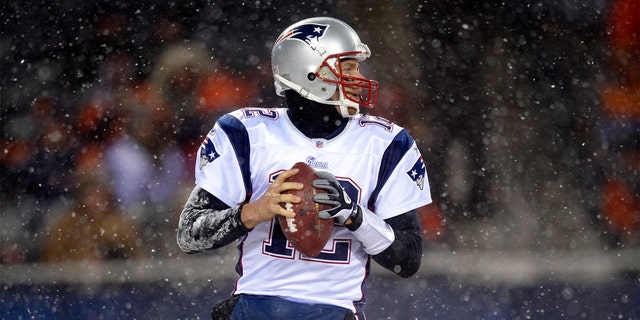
[620, 203]
[99, 145]
[103, 110]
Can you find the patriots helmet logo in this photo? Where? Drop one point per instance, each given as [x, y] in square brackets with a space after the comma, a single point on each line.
[308, 33]
[208, 152]
[418, 173]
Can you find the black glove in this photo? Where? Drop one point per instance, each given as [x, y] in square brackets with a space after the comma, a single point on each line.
[342, 208]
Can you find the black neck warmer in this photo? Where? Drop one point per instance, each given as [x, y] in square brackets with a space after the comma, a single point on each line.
[313, 119]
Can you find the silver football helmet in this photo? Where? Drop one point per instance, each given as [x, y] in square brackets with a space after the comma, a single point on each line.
[306, 58]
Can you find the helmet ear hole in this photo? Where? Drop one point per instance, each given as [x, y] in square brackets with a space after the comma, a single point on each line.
[325, 73]
[311, 76]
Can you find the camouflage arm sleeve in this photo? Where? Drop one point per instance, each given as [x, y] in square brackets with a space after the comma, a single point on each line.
[207, 223]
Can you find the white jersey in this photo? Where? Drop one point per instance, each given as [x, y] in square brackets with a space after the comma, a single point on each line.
[376, 161]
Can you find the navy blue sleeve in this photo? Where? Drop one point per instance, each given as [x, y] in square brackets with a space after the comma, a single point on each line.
[401, 143]
[239, 138]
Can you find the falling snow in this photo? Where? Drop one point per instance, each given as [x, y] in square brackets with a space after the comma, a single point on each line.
[524, 111]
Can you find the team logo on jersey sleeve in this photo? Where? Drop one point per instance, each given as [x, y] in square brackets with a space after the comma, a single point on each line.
[418, 173]
[208, 152]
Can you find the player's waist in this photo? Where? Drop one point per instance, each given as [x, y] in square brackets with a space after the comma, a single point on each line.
[346, 304]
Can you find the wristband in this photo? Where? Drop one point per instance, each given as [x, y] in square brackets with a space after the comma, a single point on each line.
[374, 234]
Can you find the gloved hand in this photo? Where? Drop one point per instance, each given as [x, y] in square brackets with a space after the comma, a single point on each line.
[342, 208]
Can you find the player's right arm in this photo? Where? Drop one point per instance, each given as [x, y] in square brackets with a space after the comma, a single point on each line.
[218, 210]
[208, 223]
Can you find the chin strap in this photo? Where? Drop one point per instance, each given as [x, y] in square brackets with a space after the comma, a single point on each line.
[347, 108]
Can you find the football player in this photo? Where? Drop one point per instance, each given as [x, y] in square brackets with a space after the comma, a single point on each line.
[244, 161]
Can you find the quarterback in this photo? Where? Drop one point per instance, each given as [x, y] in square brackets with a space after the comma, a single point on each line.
[246, 157]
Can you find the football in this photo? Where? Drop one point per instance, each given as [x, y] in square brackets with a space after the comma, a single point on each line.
[306, 231]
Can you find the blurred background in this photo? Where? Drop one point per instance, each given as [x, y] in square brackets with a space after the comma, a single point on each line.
[527, 115]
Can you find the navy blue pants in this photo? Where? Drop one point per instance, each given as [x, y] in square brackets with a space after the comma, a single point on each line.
[254, 307]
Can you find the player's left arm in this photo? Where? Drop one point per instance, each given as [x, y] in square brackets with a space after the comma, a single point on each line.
[393, 240]
[395, 243]
[404, 255]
